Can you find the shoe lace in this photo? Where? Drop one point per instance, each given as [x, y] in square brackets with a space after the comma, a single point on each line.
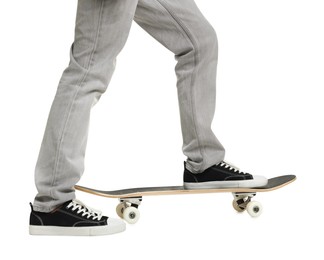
[85, 210]
[231, 167]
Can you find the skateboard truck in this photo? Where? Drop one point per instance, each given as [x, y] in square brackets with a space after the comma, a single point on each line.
[127, 209]
[242, 201]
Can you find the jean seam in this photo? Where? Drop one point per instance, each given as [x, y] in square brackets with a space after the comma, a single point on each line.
[71, 108]
[192, 39]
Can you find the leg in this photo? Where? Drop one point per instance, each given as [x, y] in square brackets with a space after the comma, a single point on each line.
[181, 27]
[102, 27]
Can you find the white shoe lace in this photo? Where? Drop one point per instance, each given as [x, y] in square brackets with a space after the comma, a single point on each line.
[85, 210]
[231, 167]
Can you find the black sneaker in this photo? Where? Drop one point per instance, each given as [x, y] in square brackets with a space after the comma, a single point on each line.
[73, 218]
[222, 175]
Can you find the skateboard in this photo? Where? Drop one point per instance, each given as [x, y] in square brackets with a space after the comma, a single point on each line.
[130, 199]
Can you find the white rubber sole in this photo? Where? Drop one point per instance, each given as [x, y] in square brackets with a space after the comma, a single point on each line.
[114, 226]
[258, 181]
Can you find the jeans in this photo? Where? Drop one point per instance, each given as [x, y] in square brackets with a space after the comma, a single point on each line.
[101, 30]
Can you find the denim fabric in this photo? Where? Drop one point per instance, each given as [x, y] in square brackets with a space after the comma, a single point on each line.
[101, 30]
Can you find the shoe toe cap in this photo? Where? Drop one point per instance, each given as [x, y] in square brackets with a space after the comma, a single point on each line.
[259, 180]
[116, 225]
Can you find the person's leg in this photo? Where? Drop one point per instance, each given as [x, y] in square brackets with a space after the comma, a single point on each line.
[102, 27]
[181, 27]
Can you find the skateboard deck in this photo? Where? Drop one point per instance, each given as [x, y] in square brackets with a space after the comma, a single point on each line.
[130, 199]
[273, 184]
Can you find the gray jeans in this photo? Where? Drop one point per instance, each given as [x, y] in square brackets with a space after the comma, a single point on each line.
[102, 28]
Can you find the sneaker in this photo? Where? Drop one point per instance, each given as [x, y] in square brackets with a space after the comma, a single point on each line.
[73, 218]
[222, 175]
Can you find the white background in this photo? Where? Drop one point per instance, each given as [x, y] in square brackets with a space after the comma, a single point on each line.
[269, 117]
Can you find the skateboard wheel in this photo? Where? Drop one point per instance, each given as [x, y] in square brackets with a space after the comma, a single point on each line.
[120, 210]
[254, 208]
[238, 207]
[131, 215]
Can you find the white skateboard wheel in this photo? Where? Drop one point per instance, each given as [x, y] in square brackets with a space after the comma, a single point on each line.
[254, 208]
[120, 210]
[131, 215]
